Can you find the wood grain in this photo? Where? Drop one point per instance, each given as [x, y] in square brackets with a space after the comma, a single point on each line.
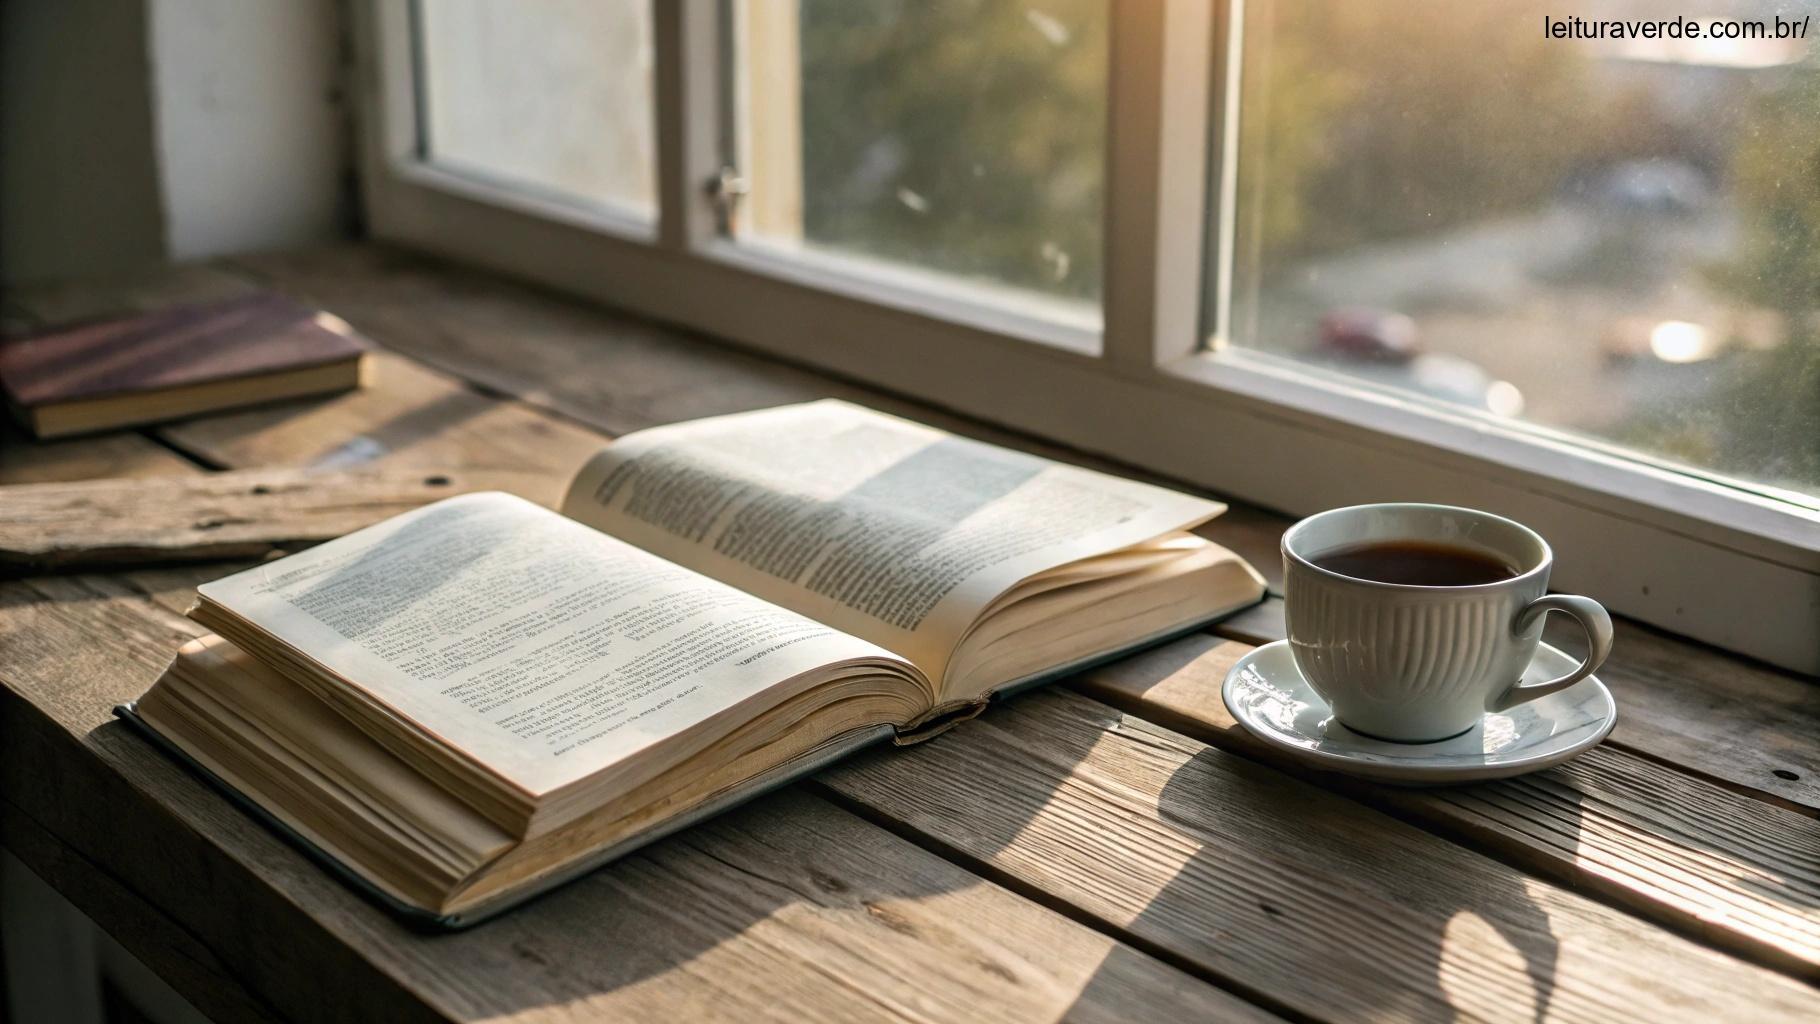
[614, 372]
[158, 942]
[242, 514]
[120, 454]
[409, 417]
[1748, 725]
[1272, 885]
[787, 910]
[1260, 624]
[1663, 844]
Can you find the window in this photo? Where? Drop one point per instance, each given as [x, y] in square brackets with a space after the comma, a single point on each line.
[1613, 238]
[879, 129]
[1304, 254]
[554, 97]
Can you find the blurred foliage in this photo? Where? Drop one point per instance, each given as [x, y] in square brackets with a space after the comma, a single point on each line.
[1776, 184]
[1775, 175]
[1366, 122]
[1358, 128]
[966, 136]
[969, 135]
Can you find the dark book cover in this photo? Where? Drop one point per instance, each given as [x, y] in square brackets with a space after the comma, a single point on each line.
[247, 336]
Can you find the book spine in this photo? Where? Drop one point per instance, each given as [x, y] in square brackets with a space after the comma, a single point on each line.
[937, 722]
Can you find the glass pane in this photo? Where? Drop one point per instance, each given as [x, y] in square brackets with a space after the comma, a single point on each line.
[962, 137]
[1618, 238]
[553, 96]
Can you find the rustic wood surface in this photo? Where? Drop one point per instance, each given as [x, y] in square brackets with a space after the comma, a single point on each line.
[1259, 879]
[616, 373]
[211, 516]
[24, 461]
[410, 416]
[1117, 851]
[722, 922]
[1663, 844]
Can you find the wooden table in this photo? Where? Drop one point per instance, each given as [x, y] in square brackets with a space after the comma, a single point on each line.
[1113, 847]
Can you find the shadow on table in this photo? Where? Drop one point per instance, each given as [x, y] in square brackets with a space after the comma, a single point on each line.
[812, 890]
[1364, 939]
[793, 873]
[1373, 942]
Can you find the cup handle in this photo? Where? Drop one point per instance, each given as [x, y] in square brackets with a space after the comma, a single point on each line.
[1592, 618]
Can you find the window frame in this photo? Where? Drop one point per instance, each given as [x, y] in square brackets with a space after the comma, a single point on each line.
[1650, 542]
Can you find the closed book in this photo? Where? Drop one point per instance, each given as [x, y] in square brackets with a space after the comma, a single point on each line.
[177, 362]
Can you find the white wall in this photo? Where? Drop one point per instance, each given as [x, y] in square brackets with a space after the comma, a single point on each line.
[135, 132]
[555, 94]
[79, 191]
[249, 123]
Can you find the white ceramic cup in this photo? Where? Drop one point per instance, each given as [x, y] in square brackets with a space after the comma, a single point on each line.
[1423, 663]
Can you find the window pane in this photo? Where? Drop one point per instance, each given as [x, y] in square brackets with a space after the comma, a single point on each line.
[554, 96]
[965, 137]
[1618, 239]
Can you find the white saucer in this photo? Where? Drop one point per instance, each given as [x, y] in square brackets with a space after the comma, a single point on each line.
[1267, 694]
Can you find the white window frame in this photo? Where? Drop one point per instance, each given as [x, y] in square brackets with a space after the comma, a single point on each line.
[1698, 557]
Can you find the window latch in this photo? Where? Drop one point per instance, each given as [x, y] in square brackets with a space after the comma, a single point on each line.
[725, 189]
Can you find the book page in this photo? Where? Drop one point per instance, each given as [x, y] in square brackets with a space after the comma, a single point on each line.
[538, 647]
[885, 529]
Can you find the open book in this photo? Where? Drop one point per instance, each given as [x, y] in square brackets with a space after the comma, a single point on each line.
[471, 701]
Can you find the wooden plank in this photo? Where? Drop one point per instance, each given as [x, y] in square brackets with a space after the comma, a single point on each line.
[1747, 725]
[614, 372]
[158, 942]
[247, 513]
[24, 460]
[790, 909]
[1272, 885]
[1670, 847]
[611, 371]
[1260, 624]
[410, 417]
